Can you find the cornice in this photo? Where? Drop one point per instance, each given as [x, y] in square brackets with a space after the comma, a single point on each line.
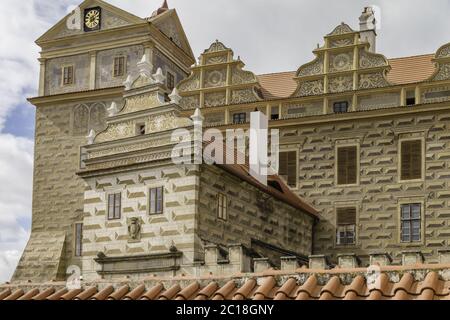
[113, 92]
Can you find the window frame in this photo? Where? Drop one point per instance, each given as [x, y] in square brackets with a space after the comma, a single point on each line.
[75, 242]
[173, 74]
[411, 201]
[296, 167]
[222, 206]
[124, 71]
[63, 69]
[150, 210]
[239, 114]
[114, 194]
[340, 103]
[358, 163]
[399, 159]
[356, 225]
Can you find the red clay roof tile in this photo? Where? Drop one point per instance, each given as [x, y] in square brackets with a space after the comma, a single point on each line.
[394, 282]
[103, 294]
[153, 293]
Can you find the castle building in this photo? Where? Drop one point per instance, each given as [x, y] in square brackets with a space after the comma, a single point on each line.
[364, 164]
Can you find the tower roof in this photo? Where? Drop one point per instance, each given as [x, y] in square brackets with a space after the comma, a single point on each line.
[164, 7]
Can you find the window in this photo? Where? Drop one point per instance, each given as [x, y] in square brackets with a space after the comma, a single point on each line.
[347, 165]
[78, 239]
[288, 167]
[410, 98]
[239, 118]
[170, 80]
[346, 226]
[156, 200]
[67, 75]
[411, 160]
[140, 129]
[119, 66]
[114, 206]
[410, 222]
[340, 107]
[222, 206]
[275, 113]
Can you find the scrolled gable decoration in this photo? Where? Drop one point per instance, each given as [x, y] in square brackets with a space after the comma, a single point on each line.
[342, 64]
[219, 72]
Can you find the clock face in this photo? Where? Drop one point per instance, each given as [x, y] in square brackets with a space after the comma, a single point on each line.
[92, 19]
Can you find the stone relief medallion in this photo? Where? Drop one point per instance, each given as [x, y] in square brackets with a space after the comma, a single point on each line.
[215, 78]
[341, 62]
[134, 228]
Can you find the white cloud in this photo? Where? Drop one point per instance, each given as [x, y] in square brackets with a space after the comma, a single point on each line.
[270, 35]
[16, 166]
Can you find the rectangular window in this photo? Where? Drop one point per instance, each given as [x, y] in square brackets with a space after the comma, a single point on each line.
[288, 167]
[347, 165]
[239, 118]
[340, 107]
[275, 115]
[346, 226]
[170, 81]
[67, 75]
[156, 200]
[410, 222]
[411, 160]
[114, 206]
[222, 206]
[119, 66]
[78, 239]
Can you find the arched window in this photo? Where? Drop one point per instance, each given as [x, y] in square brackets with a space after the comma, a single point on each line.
[97, 117]
[80, 120]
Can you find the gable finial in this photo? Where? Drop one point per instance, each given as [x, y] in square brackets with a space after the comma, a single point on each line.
[164, 7]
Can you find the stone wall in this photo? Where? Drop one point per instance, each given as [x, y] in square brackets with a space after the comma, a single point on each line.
[57, 190]
[105, 65]
[174, 227]
[379, 193]
[53, 75]
[279, 225]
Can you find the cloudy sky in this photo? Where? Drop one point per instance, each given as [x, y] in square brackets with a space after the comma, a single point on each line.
[269, 35]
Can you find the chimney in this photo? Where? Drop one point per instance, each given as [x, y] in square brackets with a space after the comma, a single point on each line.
[367, 28]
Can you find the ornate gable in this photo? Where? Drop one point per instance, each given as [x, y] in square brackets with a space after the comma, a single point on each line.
[442, 60]
[169, 24]
[72, 24]
[343, 64]
[218, 80]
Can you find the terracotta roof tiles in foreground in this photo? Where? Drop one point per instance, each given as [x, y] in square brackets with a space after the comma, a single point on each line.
[421, 282]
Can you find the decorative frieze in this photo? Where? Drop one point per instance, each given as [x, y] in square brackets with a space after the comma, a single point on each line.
[372, 80]
[340, 84]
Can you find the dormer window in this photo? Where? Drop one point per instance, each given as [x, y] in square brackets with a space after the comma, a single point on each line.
[340, 107]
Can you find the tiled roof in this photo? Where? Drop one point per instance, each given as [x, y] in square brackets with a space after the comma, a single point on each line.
[411, 69]
[278, 85]
[282, 193]
[404, 70]
[424, 282]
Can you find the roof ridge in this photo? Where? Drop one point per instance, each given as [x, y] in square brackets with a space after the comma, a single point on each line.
[272, 73]
[413, 56]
